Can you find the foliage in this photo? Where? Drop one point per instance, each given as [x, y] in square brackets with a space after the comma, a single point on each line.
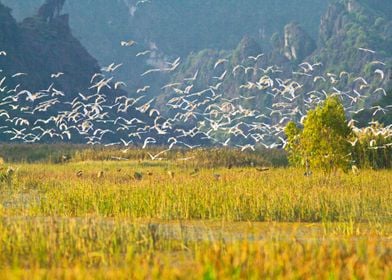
[293, 132]
[324, 139]
[372, 147]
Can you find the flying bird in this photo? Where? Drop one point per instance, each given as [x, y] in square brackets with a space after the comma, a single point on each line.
[367, 50]
[143, 89]
[220, 61]
[112, 67]
[117, 85]
[380, 72]
[56, 75]
[255, 58]
[143, 53]
[127, 43]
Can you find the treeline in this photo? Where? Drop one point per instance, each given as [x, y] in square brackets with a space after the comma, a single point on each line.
[207, 157]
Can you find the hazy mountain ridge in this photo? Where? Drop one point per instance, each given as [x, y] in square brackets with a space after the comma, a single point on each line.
[345, 28]
[173, 28]
[44, 61]
[39, 49]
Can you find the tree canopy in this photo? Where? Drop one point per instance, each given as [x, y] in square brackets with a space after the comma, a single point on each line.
[324, 139]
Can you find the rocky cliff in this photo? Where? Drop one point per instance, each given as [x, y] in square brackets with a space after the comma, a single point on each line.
[297, 43]
[39, 49]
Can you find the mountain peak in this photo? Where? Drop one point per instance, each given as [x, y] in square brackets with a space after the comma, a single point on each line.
[297, 42]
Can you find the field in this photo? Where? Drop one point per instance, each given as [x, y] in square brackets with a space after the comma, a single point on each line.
[141, 219]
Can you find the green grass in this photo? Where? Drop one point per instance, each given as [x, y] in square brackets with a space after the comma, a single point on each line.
[240, 194]
[193, 225]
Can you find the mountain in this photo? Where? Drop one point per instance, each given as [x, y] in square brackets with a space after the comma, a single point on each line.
[40, 48]
[45, 68]
[342, 56]
[173, 28]
[174, 25]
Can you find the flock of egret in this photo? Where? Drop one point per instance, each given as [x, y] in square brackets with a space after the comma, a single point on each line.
[193, 117]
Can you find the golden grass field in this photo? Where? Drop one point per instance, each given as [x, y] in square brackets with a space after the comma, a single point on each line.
[94, 220]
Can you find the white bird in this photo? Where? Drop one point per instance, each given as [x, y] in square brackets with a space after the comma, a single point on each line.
[143, 89]
[14, 89]
[19, 74]
[102, 83]
[143, 53]
[3, 53]
[151, 71]
[353, 143]
[4, 113]
[236, 68]
[2, 80]
[226, 143]
[127, 43]
[221, 77]
[247, 146]
[154, 157]
[95, 76]
[148, 140]
[118, 84]
[112, 67]
[188, 89]
[378, 109]
[56, 75]
[57, 92]
[32, 97]
[255, 58]
[84, 98]
[216, 87]
[361, 79]
[193, 78]
[357, 111]
[380, 72]
[140, 2]
[220, 61]
[382, 90]
[307, 67]
[143, 108]
[171, 85]
[367, 50]
[152, 111]
[126, 144]
[377, 62]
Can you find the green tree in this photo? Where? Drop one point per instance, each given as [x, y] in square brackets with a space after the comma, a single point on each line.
[293, 133]
[323, 142]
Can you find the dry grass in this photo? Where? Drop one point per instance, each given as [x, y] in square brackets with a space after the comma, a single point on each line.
[190, 224]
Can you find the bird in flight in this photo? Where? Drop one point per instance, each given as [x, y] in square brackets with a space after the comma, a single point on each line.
[367, 50]
[255, 58]
[129, 43]
[56, 75]
[143, 53]
[112, 67]
[141, 2]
